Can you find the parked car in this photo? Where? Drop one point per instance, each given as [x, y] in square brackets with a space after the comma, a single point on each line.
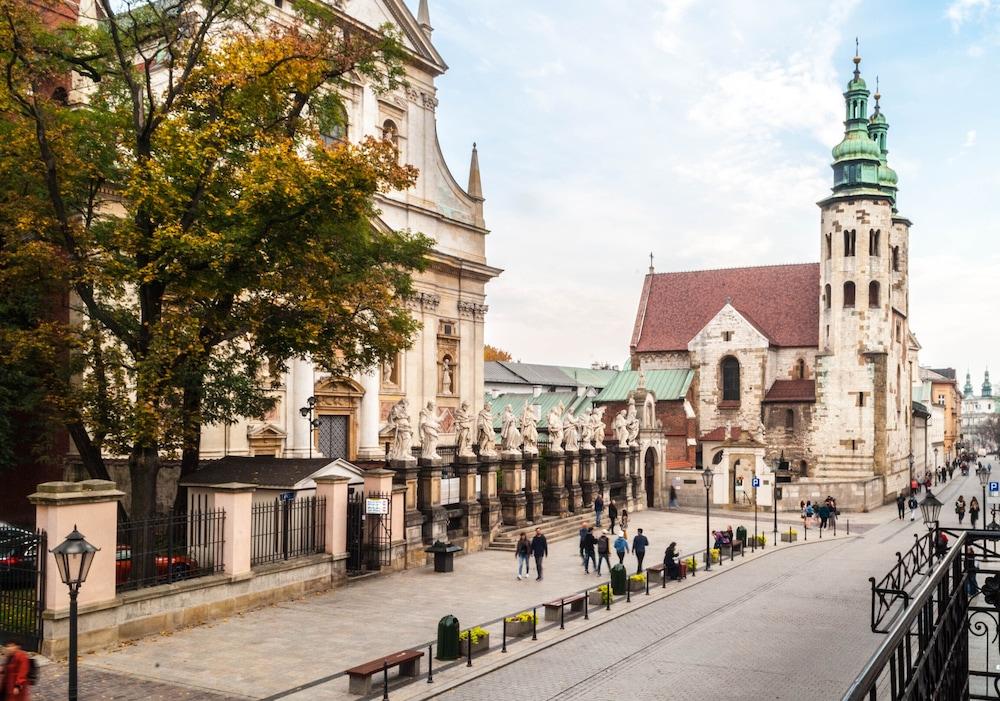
[168, 568]
[18, 557]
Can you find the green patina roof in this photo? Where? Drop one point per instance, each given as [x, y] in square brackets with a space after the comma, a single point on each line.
[588, 377]
[667, 385]
[545, 402]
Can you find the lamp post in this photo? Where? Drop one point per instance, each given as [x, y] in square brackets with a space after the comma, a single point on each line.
[911, 459]
[307, 412]
[73, 559]
[774, 491]
[984, 478]
[935, 458]
[930, 507]
[707, 477]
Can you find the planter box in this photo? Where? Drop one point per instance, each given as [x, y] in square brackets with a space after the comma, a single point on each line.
[636, 586]
[518, 628]
[595, 598]
[786, 537]
[715, 558]
[482, 645]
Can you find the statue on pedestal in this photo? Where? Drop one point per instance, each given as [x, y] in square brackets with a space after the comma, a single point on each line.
[597, 426]
[529, 430]
[632, 422]
[398, 422]
[648, 411]
[430, 428]
[621, 429]
[571, 434]
[463, 431]
[484, 432]
[510, 436]
[556, 427]
[584, 422]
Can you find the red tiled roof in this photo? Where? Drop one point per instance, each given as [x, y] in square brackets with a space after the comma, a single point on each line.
[782, 301]
[717, 435]
[792, 391]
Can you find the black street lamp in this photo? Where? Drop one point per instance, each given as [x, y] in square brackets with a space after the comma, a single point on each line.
[984, 478]
[73, 559]
[707, 477]
[911, 459]
[930, 508]
[307, 412]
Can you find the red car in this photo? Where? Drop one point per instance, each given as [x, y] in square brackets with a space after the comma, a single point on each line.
[169, 569]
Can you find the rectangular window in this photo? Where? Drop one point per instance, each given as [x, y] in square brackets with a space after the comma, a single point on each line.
[861, 398]
[727, 336]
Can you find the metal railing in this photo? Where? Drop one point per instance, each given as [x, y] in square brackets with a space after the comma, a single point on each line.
[285, 529]
[169, 548]
[22, 585]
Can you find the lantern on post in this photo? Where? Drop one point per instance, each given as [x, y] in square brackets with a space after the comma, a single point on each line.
[74, 556]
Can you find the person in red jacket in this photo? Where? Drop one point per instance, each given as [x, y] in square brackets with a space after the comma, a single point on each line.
[15, 673]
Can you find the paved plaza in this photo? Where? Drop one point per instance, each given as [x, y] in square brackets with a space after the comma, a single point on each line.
[788, 622]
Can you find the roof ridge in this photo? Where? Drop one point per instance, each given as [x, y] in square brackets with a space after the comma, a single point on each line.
[737, 267]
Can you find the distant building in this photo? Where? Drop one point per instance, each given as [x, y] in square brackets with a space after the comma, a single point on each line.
[945, 395]
[976, 410]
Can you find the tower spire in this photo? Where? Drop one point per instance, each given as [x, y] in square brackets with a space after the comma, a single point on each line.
[651, 269]
[424, 18]
[475, 188]
[857, 59]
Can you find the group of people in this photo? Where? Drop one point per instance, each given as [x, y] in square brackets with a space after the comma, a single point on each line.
[596, 549]
[973, 508]
[614, 516]
[819, 514]
[537, 547]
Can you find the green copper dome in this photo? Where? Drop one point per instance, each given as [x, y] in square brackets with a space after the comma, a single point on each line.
[856, 145]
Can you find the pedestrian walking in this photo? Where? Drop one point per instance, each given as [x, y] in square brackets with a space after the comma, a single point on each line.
[639, 544]
[971, 586]
[960, 509]
[824, 515]
[623, 521]
[670, 566]
[900, 505]
[540, 549]
[621, 548]
[603, 551]
[521, 552]
[973, 511]
[590, 557]
[612, 514]
[583, 538]
[673, 498]
[16, 667]
[912, 503]
[598, 510]
[834, 511]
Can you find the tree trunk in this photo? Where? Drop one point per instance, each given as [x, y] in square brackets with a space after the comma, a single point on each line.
[90, 455]
[191, 448]
[143, 470]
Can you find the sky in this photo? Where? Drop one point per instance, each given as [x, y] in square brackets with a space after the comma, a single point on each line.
[701, 132]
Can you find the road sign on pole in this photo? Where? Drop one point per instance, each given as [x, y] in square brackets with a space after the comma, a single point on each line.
[994, 488]
[755, 482]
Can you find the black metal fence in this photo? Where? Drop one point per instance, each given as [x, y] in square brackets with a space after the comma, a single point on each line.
[22, 585]
[168, 548]
[283, 529]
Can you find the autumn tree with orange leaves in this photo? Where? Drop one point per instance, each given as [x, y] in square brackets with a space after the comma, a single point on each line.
[187, 199]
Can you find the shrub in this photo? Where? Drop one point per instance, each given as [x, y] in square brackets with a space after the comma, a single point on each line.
[691, 563]
[605, 594]
[476, 632]
[761, 539]
[523, 617]
[716, 554]
[638, 577]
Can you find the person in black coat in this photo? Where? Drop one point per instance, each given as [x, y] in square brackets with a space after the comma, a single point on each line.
[540, 549]
[673, 570]
[589, 554]
[612, 514]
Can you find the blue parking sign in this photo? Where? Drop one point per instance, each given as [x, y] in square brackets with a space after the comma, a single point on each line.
[755, 482]
[994, 487]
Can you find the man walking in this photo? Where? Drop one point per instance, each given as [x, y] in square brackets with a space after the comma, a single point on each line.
[589, 557]
[612, 514]
[603, 551]
[583, 538]
[540, 549]
[913, 507]
[900, 505]
[639, 544]
[598, 510]
[621, 548]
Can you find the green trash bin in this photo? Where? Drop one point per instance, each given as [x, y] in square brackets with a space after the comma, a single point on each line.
[448, 647]
[619, 580]
[741, 535]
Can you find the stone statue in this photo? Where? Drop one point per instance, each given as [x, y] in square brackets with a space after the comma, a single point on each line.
[446, 381]
[510, 436]
[463, 431]
[648, 411]
[556, 427]
[529, 430]
[430, 428]
[621, 429]
[586, 424]
[597, 426]
[642, 379]
[571, 433]
[398, 422]
[632, 422]
[485, 436]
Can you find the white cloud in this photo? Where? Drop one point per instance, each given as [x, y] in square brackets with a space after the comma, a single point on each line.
[961, 11]
[970, 139]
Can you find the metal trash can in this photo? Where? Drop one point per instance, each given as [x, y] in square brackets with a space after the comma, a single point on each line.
[448, 647]
[619, 580]
[741, 535]
[444, 555]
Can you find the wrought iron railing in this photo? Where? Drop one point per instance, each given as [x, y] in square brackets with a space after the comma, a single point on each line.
[168, 548]
[285, 529]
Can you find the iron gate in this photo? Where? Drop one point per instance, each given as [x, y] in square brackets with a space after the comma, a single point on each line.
[22, 585]
[369, 532]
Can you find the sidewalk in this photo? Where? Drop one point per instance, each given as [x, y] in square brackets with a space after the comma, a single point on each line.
[268, 652]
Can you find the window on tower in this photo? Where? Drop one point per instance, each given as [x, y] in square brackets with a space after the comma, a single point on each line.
[827, 296]
[850, 239]
[848, 295]
[789, 418]
[895, 258]
[829, 246]
[873, 242]
[730, 379]
[873, 295]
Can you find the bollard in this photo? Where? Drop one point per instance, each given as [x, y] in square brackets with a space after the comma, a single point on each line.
[835, 527]
[504, 648]
[848, 526]
[821, 532]
[647, 582]
[562, 614]
[586, 605]
[663, 576]
[469, 657]
[430, 664]
[385, 680]
[628, 592]
[534, 625]
[610, 594]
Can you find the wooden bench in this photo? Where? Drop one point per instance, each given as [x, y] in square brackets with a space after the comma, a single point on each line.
[360, 677]
[553, 609]
[660, 571]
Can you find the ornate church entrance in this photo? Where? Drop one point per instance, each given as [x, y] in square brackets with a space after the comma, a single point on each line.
[334, 432]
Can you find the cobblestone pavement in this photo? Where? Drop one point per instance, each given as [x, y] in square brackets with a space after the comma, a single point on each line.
[793, 625]
[97, 685]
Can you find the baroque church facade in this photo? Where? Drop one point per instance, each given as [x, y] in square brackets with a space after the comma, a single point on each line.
[445, 363]
[803, 372]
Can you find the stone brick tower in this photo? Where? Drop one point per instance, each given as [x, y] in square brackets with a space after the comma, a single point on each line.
[863, 369]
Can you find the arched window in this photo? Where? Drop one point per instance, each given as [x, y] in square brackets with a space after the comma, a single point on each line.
[899, 388]
[895, 258]
[873, 242]
[334, 130]
[850, 240]
[848, 295]
[800, 369]
[829, 246]
[730, 379]
[789, 418]
[390, 132]
[827, 296]
[60, 96]
[873, 295]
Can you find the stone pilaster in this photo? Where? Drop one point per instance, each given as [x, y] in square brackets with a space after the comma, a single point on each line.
[601, 473]
[513, 504]
[635, 479]
[435, 525]
[532, 489]
[556, 494]
[575, 500]
[407, 475]
[488, 499]
[466, 468]
[588, 476]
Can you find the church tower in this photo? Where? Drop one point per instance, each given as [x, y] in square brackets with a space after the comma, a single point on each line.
[967, 390]
[863, 378]
[987, 387]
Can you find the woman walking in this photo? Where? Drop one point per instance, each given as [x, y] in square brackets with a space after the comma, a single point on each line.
[623, 521]
[522, 551]
[973, 511]
[621, 548]
[960, 509]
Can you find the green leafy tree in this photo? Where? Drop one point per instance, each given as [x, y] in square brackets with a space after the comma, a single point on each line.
[204, 225]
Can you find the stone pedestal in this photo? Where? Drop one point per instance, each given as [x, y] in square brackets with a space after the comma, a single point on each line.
[575, 499]
[588, 476]
[513, 504]
[601, 473]
[407, 474]
[466, 469]
[532, 489]
[635, 479]
[556, 494]
[435, 526]
[488, 499]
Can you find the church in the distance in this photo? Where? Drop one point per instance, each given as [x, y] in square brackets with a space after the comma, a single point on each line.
[802, 372]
